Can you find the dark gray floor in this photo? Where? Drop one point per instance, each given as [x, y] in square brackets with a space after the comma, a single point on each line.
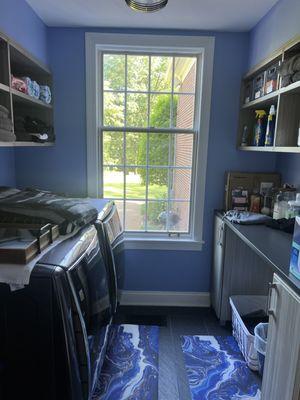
[174, 322]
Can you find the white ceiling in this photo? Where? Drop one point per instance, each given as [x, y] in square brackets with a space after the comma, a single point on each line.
[220, 15]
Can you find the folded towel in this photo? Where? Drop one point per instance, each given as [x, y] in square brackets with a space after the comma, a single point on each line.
[45, 94]
[39, 207]
[4, 112]
[35, 90]
[246, 218]
[6, 124]
[18, 84]
[6, 136]
[296, 77]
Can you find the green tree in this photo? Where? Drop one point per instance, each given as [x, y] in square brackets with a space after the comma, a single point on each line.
[137, 111]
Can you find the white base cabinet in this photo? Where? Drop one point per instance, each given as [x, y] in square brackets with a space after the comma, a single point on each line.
[281, 379]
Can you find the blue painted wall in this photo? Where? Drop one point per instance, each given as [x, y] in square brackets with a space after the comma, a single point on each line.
[20, 23]
[281, 24]
[63, 168]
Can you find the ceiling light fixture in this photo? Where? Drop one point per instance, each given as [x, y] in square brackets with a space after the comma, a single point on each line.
[147, 5]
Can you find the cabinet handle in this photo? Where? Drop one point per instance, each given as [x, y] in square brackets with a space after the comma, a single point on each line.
[220, 238]
[271, 311]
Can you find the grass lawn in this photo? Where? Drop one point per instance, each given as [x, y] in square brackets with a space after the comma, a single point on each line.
[113, 188]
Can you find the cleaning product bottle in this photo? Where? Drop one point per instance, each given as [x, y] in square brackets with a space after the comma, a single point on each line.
[270, 127]
[260, 128]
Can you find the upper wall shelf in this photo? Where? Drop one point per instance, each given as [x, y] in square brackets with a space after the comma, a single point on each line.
[25, 99]
[263, 87]
[25, 112]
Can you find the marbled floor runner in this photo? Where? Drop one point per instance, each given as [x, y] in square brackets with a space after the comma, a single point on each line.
[216, 369]
[130, 369]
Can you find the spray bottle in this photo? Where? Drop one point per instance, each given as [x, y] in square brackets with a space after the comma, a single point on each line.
[270, 127]
[260, 128]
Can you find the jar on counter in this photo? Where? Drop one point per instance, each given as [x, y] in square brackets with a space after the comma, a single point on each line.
[281, 205]
[294, 207]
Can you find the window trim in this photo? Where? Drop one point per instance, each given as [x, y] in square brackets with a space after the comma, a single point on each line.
[153, 44]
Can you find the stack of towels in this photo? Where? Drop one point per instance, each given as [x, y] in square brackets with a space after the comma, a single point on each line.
[32, 88]
[6, 127]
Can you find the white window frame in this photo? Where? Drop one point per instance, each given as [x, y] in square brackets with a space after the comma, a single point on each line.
[191, 45]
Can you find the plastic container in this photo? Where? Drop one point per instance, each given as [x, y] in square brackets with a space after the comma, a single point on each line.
[271, 78]
[281, 205]
[241, 306]
[258, 86]
[260, 128]
[294, 207]
[269, 140]
[260, 344]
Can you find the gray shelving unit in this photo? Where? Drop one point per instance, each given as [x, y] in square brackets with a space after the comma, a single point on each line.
[286, 100]
[14, 60]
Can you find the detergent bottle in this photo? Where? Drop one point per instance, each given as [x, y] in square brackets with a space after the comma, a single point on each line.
[269, 140]
[260, 128]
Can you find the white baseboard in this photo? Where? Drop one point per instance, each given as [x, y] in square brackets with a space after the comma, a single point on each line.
[167, 299]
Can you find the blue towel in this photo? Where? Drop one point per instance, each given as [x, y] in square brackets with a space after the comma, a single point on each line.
[45, 94]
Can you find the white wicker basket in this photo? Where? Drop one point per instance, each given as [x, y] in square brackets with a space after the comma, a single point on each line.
[242, 305]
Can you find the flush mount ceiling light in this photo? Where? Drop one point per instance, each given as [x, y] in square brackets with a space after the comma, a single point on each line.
[146, 5]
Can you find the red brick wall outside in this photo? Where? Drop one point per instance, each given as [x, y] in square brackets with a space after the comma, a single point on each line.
[184, 151]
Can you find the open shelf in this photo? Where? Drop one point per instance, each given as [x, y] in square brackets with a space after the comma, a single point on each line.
[22, 97]
[272, 149]
[257, 148]
[4, 88]
[26, 144]
[285, 99]
[292, 88]
[24, 110]
[264, 100]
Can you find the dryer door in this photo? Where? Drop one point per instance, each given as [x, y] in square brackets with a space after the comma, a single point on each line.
[92, 311]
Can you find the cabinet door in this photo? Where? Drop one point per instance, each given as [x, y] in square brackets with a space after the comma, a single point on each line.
[282, 373]
[217, 271]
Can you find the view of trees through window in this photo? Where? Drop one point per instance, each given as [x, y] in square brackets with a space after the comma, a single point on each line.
[148, 139]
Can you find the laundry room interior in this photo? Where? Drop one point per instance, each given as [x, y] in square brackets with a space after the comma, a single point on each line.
[149, 199]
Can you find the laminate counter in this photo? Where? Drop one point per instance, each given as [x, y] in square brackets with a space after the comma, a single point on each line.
[273, 246]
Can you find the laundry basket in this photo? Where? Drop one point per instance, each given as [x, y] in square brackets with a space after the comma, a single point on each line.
[241, 306]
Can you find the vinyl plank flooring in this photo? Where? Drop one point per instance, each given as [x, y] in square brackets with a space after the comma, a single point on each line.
[174, 322]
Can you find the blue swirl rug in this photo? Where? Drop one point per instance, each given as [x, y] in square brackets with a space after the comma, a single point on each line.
[130, 369]
[216, 369]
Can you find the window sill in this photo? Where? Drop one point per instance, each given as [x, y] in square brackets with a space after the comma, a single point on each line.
[134, 243]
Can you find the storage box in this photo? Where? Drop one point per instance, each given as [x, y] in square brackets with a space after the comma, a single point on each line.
[258, 86]
[295, 253]
[240, 306]
[272, 78]
[248, 92]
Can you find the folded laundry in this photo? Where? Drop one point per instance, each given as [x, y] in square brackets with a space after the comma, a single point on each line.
[4, 112]
[246, 218]
[290, 69]
[18, 84]
[6, 124]
[7, 136]
[32, 87]
[33, 129]
[35, 90]
[45, 94]
[39, 207]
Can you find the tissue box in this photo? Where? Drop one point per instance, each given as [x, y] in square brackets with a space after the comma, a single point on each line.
[295, 255]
